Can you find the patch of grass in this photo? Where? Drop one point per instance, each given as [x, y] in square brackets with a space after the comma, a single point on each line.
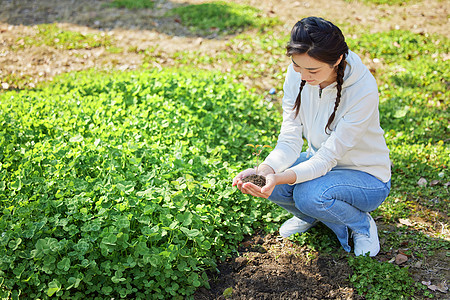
[221, 17]
[132, 4]
[252, 58]
[375, 280]
[114, 50]
[413, 76]
[319, 238]
[413, 81]
[398, 45]
[53, 36]
[15, 81]
[117, 185]
[418, 242]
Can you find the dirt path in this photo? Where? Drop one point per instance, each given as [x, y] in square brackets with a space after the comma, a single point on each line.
[151, 29]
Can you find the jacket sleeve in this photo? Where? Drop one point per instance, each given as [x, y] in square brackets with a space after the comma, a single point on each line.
[350, 128]
[289, 143]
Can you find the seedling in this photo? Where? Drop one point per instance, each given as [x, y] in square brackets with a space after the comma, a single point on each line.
[257, 179]
[258, 149]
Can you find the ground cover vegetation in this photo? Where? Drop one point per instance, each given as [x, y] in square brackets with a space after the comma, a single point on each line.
[132, 4]
[53, 36]
[117, 184]
[222, 17]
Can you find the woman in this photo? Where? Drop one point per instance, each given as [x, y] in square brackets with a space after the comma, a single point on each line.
[331, 100]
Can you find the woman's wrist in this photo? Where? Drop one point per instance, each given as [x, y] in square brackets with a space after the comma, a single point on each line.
[265, 170]
[286, 177]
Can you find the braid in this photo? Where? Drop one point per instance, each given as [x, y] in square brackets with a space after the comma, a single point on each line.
[298, 101]
[339, 81]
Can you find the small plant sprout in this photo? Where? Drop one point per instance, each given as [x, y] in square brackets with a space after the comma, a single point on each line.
[258, 149]
[257, 179]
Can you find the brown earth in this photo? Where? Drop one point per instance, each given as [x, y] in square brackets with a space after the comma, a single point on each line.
[255, 179]
[267, 267]
[270, 267]
[138, 30]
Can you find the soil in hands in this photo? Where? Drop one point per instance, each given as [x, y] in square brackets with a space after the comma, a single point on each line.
[258, 180]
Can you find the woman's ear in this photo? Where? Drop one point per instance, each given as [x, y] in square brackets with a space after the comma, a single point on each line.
[338, 61]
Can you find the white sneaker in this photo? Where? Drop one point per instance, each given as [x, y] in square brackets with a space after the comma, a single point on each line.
[367, 244]
[294, 225]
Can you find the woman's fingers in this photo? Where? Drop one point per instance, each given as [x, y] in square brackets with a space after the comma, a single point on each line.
[237, 180]
[254, 190]
[249, 188]
[270, 185]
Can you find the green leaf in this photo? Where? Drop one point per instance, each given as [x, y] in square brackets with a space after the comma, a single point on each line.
[107, 290]
[228, 292]
[53, 287]
[64, 264]
[122, 222]
[191, 233]
[73, 282]
[206, 245]
[13, 244]
[16, 185]
[111, 240]
[154, 260]
[185, 218]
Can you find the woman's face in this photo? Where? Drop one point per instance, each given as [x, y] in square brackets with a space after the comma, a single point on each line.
[314, 71]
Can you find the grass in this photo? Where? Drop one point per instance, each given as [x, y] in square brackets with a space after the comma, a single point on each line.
[109, 193]
[253, 58]
[54, 36]
[414, 109]
[221, 17]
[132, 4]
[377, 280]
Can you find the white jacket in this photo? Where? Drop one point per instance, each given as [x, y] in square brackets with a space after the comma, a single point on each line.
[356, 140]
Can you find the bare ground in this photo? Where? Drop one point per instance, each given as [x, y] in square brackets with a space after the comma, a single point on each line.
[150, 28]
[267, 267]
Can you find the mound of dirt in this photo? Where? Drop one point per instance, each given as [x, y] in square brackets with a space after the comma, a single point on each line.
[270, 267]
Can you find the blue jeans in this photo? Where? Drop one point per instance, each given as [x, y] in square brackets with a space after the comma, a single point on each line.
[340, 199]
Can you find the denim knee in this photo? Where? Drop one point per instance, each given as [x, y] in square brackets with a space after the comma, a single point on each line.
[282, 193]
[308, 201]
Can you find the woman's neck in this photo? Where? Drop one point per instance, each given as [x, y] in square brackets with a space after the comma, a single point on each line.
[328, 82]
[331, 80]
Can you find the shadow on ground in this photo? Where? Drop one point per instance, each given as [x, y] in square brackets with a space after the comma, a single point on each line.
[100, 15]
[94, 14]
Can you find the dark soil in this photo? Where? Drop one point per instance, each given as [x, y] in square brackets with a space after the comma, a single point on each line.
[270, 267]
[259, 180]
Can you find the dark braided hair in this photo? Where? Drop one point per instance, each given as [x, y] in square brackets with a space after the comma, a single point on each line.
[323, 41]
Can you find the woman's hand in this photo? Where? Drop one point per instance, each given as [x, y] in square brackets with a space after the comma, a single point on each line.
[263, 170]
[264, 192]
[237, 180]
[271, 181]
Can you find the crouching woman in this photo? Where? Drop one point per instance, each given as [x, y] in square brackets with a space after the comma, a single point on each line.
[330, 100]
